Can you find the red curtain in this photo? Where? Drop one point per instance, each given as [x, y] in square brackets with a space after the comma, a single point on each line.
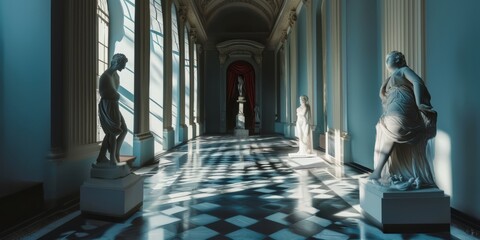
[246, 70]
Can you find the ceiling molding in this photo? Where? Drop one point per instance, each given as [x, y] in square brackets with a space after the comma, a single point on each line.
[240, 47]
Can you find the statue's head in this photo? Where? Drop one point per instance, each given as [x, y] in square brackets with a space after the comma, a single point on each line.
[394, 60]
[304, 99]
[119, 61]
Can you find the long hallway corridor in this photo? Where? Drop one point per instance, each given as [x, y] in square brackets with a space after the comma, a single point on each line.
[220, 187]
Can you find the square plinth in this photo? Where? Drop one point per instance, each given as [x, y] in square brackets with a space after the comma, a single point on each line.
[422, 210]
[241, 132]
[112, 198]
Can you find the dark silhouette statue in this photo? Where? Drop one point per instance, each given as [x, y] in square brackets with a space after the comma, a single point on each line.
[111, 119]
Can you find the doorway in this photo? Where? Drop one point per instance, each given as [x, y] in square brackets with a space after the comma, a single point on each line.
[234, 71]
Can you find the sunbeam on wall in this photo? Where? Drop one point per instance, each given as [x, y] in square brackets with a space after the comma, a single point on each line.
[442, 162]
[122, 18]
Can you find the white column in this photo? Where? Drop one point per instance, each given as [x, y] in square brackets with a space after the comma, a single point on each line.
[294, 102]
[286, 100]
[143, 142]
[191, 125]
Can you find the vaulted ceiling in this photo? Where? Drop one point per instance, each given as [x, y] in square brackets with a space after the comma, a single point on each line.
[263, 21]
[267, 10]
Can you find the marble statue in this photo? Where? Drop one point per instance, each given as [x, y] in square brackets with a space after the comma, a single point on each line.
[111, 119]
[302, 129]
[240, 82]
[407, 123]
[257, 113]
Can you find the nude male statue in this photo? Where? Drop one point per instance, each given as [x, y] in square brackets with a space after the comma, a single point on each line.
[111, 119]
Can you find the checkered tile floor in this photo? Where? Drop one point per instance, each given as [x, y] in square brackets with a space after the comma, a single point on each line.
[226, 188]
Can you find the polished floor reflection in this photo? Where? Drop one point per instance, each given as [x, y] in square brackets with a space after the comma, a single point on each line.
[218, 187]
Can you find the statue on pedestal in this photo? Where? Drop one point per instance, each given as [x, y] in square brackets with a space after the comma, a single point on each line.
[302, 129]
[111, 119]
[407, 123]
[240, 82]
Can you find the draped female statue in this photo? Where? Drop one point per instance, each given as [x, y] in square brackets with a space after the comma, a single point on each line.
[407, 123]
[302, 129]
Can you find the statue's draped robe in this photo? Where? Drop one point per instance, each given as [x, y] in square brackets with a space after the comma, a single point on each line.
[407, 126]
[111, 119]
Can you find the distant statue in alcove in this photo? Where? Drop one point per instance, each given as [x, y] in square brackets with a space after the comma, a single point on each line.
[257, 113]
[407, 123]
[302, 129]
[240, 83]
[111, 119]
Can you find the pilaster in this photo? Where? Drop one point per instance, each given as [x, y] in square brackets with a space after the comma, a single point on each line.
[143, 142]
[183, 128]
[293, 100]
[168, 132]
[192, 132]
[80, 73]
[337, 142]
[404, 30]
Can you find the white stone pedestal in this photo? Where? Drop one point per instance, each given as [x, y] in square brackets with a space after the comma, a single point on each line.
[302, 155]
[112, 198]
[241, 132]
[423, 210]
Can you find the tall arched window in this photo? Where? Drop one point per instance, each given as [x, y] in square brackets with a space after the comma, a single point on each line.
[156, 73]
[103, 22]
[175, 75]
[187, 76]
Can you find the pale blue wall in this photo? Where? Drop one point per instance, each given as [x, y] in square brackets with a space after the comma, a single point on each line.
[212, 92]
[363, 76]
[318, 71]
[302, 81]
[25, 93]
[268, 92]
[329, 66]
[121, 30]
[452, 63]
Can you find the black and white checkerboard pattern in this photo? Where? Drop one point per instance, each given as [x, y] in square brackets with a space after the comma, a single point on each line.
[228, 188]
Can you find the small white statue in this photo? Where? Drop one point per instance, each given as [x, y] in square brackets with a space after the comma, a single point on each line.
[302, 130]
[240, 85]
[257, 114]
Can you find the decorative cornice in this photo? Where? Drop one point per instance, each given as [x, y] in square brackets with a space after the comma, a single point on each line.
[284, 36]
[193, 35]
[292, 18]
[285, 20]
[193, 16]
[240, 47]
[183, 12]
